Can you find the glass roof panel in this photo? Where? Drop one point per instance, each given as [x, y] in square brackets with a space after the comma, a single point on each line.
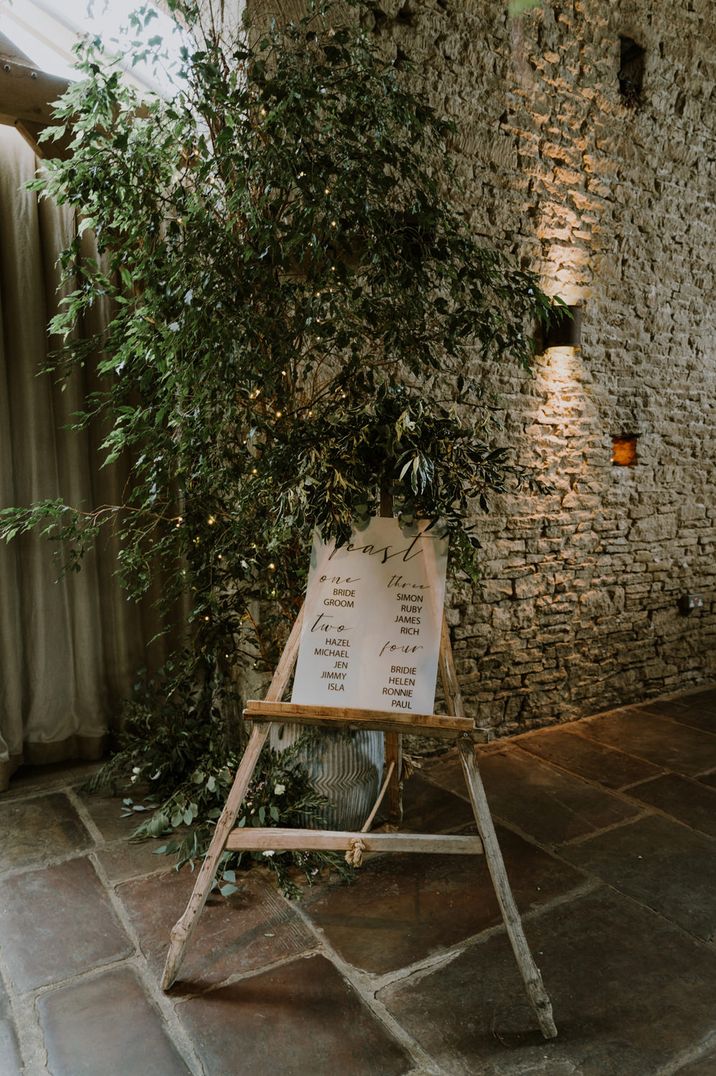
[46, 30]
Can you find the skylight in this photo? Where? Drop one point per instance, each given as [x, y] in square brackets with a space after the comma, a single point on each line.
[46, 30]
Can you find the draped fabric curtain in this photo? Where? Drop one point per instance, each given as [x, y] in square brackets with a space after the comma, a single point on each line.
[70, 649]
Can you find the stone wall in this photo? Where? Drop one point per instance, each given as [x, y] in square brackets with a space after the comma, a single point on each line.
[613, 205]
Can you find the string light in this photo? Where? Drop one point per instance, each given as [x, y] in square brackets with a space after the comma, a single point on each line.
[278, 414]
[272, 566]
[211, 521]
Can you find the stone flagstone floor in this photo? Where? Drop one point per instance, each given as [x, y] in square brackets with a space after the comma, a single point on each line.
[608, 828]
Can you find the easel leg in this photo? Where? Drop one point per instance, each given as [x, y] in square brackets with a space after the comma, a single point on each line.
[539, 999]
[392, 740]
[184, 928]
[394, 754]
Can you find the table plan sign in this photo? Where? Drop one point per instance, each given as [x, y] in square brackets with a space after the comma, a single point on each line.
[365, 648]
[372, 623]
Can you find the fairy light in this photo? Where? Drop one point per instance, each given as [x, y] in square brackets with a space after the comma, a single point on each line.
[278, 414]
[211, 521]
[272, 567]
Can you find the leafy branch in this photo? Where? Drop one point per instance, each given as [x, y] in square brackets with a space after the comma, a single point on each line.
[299, 319]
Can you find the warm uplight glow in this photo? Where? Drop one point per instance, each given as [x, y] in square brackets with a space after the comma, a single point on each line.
[560, 364]
[624, 451]
[559, 377]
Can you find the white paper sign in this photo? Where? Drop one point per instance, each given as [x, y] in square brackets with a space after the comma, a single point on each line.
[372, 620]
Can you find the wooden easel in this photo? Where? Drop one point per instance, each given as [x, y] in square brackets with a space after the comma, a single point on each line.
[454, 726]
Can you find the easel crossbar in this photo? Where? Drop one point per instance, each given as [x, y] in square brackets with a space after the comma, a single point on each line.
[440, 725]
[250, 839]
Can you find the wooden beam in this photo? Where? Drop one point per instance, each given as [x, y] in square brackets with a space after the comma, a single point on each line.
[256, 839]
[26, 98]
[27, 94]
[10, 51]
[345, 717]
[53, 149]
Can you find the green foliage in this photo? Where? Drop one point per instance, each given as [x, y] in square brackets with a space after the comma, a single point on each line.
[176, 768]
[75, 531]
[296, 306]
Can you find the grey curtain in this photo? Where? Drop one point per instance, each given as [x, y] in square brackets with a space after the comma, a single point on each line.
[69, 650]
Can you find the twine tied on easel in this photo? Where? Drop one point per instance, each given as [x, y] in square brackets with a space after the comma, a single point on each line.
[354, 855]
[356, 847]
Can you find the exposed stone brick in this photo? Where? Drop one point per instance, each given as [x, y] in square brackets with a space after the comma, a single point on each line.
[612, 206]
[609, 204]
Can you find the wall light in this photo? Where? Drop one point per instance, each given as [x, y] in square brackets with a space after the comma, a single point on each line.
[564, 328]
